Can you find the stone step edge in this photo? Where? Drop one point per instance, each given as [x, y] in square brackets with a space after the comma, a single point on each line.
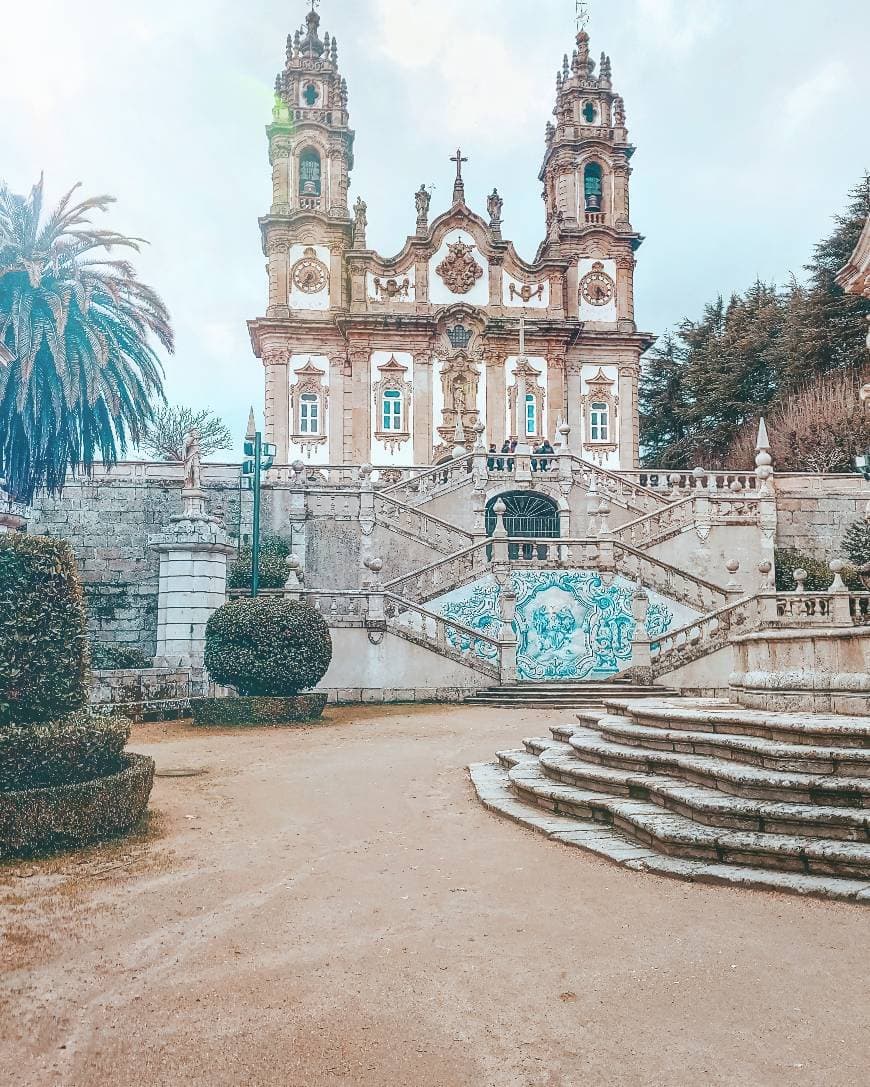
[718, 772]
[627, 731]
[491, 784]
[666, 832]
[716, 715]
[675, 796]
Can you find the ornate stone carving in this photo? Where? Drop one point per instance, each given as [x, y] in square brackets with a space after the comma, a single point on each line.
[596, 287]
[393, 379]
[309, 382]
[526, 292]
[277, 246]
[192, 454]
[390, 290]
[600, 432]
[460, 378]
[280, 149]
[422, 200]
[459, 270]
[310, 275]
[360, 222]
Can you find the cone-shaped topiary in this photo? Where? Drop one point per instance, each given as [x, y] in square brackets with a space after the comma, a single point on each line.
[856, 541]
[43, 638]
[267, 646]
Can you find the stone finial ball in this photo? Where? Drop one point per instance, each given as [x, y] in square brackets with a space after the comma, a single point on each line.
[736, 486]
[800, 575]
[479, 427]
[293, 562]
[499, 509]
[699, 472]
[836, 566]
[732, 566]
[375, 565]
[564, 430]
[365, 470]
[765, 567]
[298, 467]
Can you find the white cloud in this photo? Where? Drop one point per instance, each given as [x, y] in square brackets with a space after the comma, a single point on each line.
[491, 85]
[813, 97]
[676, 26]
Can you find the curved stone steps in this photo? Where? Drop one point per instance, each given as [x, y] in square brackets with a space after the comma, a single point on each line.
[768, 754]
[493, 788]
[715, 715]
[677, 836]
[736, 778]
[704, 805]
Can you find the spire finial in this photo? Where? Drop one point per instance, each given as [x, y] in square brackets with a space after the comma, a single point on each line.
[251, 432]
[582, 15]
[458, 184]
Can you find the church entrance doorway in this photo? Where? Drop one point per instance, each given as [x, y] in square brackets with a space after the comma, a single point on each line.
[528, 516]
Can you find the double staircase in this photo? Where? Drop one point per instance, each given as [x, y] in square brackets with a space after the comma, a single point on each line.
[702, 790]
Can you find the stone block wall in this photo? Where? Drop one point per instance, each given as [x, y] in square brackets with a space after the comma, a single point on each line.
[813, 512]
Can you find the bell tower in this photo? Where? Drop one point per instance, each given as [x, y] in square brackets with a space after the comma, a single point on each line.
[586, 167]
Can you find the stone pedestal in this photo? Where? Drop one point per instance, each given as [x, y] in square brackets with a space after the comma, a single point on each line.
[193, 581]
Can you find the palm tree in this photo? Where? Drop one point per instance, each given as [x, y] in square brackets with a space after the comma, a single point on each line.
[77, 325]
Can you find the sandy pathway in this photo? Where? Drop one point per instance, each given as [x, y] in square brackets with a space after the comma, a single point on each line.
[332, 906]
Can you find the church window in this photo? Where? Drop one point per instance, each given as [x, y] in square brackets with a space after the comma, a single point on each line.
[590, 113]
[592, 186]
[309, 173]
[599, 422]
[311, 94]
[392, 410]
[531, 415]
[309, 414]
[459, 336]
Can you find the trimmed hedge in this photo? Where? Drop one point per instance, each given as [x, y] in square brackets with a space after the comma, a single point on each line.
[242, 712]
[75, 749]
[36, 820]
[43, 641]
[267, 646]
[105, 656]
[274, 551]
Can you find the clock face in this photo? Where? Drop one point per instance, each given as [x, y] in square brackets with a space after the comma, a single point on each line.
[310, 275]
[597, 287]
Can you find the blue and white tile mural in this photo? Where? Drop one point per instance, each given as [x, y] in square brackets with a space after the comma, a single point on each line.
[570, 624]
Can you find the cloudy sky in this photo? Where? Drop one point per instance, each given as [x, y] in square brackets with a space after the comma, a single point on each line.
[749, 116]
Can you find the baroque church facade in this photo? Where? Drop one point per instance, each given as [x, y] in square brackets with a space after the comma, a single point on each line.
[455, 340]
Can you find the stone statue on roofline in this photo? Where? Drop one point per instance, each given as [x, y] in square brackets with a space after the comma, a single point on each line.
[360, 222]
[192, 453]
[422, 199]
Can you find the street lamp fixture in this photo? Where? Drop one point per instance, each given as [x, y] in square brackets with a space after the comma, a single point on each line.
[862, 463]
[260, 456]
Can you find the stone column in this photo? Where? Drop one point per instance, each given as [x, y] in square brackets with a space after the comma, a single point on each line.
[620, 193]
[277, 407]
[193, 577]
[279, 287]
[573, 378]
[555, 395]
[628, 438]
[421, 411]
[362, 404]
[641, 661]
[279, 158]
[337, 365]
[496, 277]
[496, 397]
[625, 287]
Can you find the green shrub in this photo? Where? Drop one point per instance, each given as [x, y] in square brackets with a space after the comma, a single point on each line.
[274, 551]
[819, 576]
[43, 642]
[267, 646]
[106, 656]
[856, 541]
[73, 749]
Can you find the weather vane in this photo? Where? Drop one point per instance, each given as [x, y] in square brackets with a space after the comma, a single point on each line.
[582, 15]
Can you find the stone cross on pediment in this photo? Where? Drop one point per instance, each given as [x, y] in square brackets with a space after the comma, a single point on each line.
[458, 184]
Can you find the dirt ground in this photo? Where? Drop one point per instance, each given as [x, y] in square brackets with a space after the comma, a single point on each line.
[332, 906]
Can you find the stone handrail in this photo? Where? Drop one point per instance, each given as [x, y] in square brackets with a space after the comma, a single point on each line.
[619, 487]
[660, 525]
[424, 482]
[680, 585]
[704, 635]
[444, 636]
[676, 483]
[442, 576]
[412, 521]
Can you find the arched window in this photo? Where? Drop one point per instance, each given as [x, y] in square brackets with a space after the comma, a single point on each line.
[599, 422]
[392, 410]
[592, 186]
[309, 414]
[531, 415]
[309, 173]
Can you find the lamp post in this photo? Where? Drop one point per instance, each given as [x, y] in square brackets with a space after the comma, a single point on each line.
[862, 463]
[260, 458]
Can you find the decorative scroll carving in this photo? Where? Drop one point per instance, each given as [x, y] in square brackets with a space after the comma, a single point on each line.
[309, 381]
[459, 270]
[526, 292]
[390, 290]
[393, 379]
[460, 378]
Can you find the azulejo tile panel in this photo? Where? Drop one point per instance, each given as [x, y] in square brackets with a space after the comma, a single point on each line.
[570, 624]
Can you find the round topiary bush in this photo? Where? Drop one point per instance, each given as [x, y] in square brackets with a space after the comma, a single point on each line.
[64, 776]
[274, 552]
[267, 646]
